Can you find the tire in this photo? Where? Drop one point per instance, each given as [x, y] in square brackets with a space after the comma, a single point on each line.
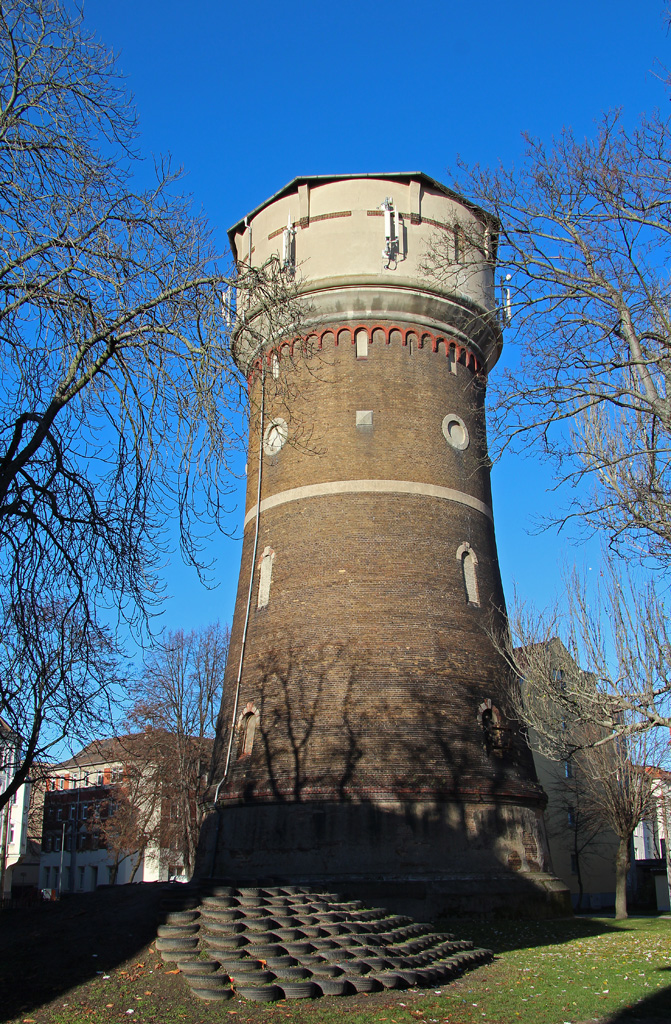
[196, 967]
[177, 945]
[181, 917]
[228, 943]
[292, 974]
[409, 976]
[296, 948]
[281, 961]
[260, 993]
[300, 990]
[334, 986]
[365, 984]
[213, 994]
[171, 957]
[391, 980]
[176, 931]
[257, 977]
[222, 916]
[213, 981]
[328, 971]
[263, 951]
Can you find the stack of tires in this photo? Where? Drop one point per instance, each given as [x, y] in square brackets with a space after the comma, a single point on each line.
[290, 942]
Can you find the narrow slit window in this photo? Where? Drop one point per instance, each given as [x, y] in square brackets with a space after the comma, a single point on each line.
[248, 733]
[494, 733]
[265, 573]
[469, 562]
[361, 340]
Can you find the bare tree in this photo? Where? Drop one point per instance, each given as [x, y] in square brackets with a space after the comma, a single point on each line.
[179, 697]
[120, 400]
[601, 655]
[584, 246]
[603, 721]
[58, 673]
[129, 822]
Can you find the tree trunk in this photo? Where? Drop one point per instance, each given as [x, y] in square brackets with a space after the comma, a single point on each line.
[581, 892]
[622, 864]
[137, 863]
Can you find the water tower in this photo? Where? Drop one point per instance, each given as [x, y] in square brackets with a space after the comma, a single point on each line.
[365, 736]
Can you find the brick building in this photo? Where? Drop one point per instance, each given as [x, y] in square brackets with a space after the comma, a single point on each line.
[81, 795]
[365, 734]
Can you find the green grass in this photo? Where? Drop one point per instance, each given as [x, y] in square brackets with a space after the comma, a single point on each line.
[544, 973]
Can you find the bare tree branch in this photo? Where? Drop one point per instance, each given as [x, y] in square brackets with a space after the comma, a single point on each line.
[121, 403]
[585, 235]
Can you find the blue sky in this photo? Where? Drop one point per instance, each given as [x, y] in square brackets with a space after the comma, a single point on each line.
[245, 96]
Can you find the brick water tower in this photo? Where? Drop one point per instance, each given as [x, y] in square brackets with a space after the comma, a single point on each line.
[366, 734]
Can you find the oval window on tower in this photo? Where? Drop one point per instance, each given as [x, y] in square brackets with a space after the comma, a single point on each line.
[455, 432]
[275, 436]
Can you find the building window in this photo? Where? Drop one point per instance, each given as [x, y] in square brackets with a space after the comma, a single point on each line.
[571, 816]
[568, 770]
[361, 342]
[248, 730]
[265, 573]
[469, 561]
[275, 436]
[247, 725]
[455, 432]
[574, 864]
[47, 875]
[458, 243]
[491, 722]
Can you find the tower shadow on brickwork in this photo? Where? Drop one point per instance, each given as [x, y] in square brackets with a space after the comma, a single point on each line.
[333, 775]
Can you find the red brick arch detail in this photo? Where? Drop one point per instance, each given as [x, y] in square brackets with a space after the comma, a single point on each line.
[461, 354]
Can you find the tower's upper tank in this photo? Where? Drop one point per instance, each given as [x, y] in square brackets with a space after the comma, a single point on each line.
[358, 246]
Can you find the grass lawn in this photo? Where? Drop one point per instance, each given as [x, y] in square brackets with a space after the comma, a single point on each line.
[587, 969]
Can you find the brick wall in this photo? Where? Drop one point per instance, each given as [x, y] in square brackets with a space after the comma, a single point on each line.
[367, 667]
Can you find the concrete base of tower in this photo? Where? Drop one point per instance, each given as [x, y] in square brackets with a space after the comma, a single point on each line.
[420, 857]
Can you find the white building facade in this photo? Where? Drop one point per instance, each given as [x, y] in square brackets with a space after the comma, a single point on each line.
[14, 815]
